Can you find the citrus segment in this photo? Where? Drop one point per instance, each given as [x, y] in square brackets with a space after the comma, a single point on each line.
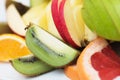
[12, 46]
[110, 74]
[84, 66]
[98, 62]
[101, 61]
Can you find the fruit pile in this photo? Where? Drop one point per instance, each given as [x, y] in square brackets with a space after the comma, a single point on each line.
[79, 36]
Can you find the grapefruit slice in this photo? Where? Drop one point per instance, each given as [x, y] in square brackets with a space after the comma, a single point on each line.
[98, 62]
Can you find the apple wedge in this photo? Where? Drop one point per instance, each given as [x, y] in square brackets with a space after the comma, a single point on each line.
[15, 21]
[34, 13]
[37, 15]
[51, 26]
[61, 29]
[68, 23]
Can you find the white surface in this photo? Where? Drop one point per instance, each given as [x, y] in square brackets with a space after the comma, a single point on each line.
[7, 72]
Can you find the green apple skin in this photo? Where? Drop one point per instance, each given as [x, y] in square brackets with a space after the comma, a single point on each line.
[102, 17]
[4, 28]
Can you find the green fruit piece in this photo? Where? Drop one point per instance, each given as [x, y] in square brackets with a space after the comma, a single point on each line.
[34, 3]
[102, 17]
[30, 66]
[48, 48]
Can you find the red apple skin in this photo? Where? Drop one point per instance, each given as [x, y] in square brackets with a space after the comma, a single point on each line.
[58, 17]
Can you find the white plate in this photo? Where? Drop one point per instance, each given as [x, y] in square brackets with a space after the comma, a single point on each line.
[7, 72]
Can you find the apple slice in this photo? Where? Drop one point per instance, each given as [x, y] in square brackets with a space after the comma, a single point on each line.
[51, 26]
[67, 23]
[34, 13]
[61, 25]
[15, 21]
[67, 20]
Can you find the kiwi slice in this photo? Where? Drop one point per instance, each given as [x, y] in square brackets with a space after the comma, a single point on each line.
[30, 66]
[48, 48]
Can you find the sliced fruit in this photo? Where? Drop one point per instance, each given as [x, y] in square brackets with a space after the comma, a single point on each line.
[110, 74]
[34, 3]
[60, 23]
[12, 46]
[68, 22]
[96, 60]
[51, 26]
[30, 66]
[34, 14]
[15, 21]
[71, 72]
[48, 48]
[85, 69]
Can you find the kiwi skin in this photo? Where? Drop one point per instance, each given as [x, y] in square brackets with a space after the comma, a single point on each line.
[30, 66]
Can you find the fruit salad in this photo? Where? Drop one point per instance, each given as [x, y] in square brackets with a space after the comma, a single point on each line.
[81, 37]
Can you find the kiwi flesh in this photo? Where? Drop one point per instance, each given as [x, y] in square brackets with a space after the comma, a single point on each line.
[30, 66]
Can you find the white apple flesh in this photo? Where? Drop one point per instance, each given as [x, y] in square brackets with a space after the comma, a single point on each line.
[51, 26]
[67, 22]
[15, 21]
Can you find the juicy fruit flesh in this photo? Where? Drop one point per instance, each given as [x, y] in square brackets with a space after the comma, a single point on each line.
[30, 66]
[85, 69]
[51, 26]
[74, 30]
[39, 42]
[106, 61]
[16, 24]
[34, 13]
[58, 17]
[12, 46]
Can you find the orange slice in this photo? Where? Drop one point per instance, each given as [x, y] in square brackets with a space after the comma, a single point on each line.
[85, 68]
[12, 46]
